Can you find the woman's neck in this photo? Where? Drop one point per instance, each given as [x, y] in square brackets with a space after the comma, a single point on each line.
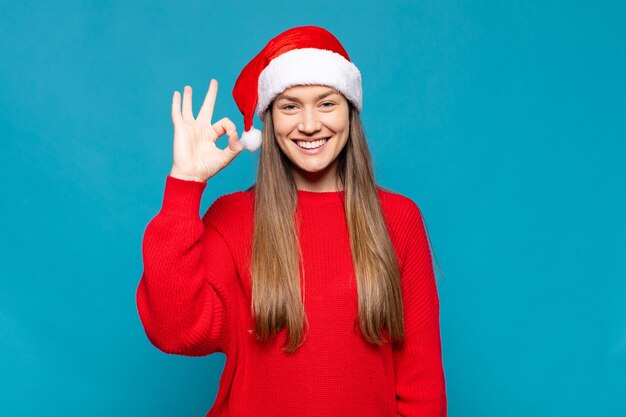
[322, 181]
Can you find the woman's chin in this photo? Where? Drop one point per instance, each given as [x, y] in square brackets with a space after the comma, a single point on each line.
[312, 167]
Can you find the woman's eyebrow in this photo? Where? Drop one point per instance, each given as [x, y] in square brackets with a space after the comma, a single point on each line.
[321, 96]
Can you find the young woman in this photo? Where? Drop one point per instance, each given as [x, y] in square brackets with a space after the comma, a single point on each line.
[316, 283]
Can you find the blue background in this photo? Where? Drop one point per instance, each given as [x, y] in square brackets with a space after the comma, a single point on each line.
[503, 120]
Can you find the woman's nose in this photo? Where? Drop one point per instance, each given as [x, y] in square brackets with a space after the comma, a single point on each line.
[309, 123]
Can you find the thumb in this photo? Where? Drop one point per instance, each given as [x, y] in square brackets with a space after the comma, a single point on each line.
[235, 146]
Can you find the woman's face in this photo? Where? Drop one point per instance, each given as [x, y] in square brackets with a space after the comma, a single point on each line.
[311, 124]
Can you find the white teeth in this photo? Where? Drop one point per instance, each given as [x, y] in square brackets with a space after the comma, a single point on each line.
[311, 145]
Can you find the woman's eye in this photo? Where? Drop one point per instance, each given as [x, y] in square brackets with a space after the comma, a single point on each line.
[326, 104]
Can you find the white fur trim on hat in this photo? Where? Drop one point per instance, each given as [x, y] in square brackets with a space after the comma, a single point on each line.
[309, 66]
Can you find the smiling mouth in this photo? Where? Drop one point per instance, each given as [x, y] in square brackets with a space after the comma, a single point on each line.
[311, 144]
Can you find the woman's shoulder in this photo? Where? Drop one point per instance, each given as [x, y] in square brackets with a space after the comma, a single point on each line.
[231, 208]
[403, 216]
[395, 203]
[236, 198]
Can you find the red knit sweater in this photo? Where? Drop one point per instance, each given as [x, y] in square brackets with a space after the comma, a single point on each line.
[194, 299]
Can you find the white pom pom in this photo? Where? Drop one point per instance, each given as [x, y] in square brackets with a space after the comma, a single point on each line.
[251, 139]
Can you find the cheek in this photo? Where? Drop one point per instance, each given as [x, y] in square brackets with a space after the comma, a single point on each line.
[339, 124]
[281, 131]
[282, 127]
[280, 140]
[338, 120]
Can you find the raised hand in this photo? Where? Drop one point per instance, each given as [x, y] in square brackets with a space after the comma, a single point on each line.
[196, 156]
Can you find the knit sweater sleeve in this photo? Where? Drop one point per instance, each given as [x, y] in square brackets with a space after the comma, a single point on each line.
[420, 383]
[183, 297]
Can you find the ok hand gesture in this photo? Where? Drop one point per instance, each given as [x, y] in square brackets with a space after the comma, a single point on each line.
[196, 157]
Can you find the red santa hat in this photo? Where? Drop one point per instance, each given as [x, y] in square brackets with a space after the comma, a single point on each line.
[298, 56]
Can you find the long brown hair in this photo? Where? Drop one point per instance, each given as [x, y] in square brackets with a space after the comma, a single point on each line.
[276, 257]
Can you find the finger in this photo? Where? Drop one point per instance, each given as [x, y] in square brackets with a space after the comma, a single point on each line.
[187, 114]
[224, 125]
[176, 116]
[234, 147]
[206, 112]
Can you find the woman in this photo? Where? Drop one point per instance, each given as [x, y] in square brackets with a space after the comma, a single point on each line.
[315, 282]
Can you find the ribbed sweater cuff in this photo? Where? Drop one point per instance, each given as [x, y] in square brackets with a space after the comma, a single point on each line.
[182, 197]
